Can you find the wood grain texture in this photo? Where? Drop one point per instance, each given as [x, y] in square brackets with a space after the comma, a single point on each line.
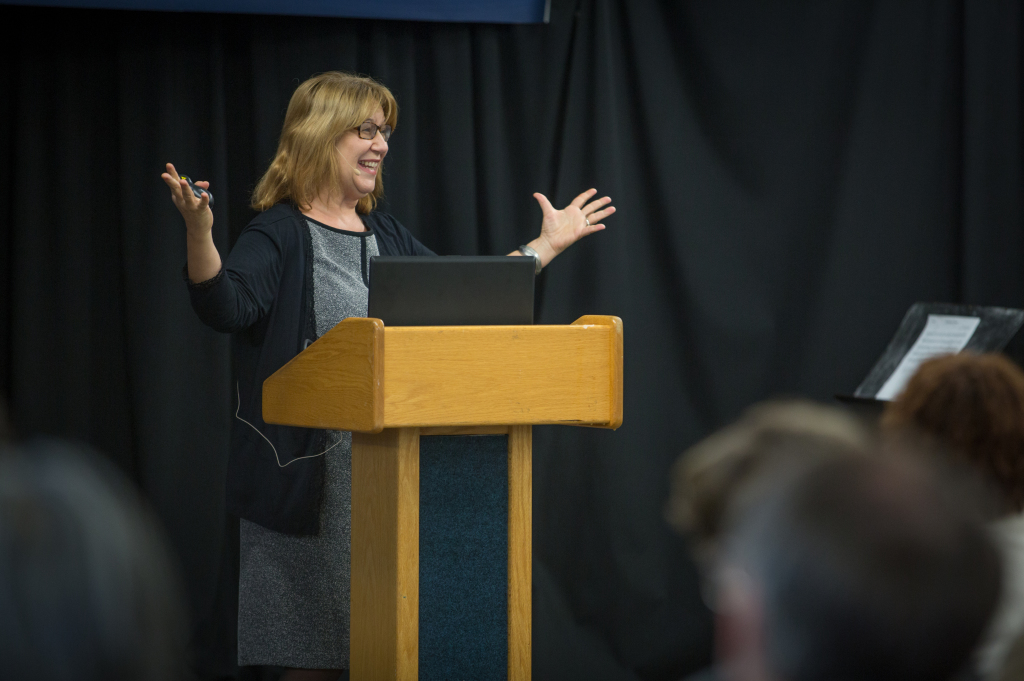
[385, 556]
[520, 552]
[452, 376]
[335, 383]
[502, 375]
[615, 362]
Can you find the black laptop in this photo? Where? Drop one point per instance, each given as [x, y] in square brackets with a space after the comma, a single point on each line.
[451, 290]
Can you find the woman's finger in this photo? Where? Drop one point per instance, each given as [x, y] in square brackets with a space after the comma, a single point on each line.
[545, 205]
[600, 215]
[204, 184]
[203, 202]
[177, 198]
[596, 205]
[582, 199]
[186, 195]
[169, 181]
[173, 180]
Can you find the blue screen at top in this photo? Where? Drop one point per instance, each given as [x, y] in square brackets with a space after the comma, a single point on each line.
[477, 11]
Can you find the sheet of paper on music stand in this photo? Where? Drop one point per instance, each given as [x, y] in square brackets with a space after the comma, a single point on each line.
[942, 335]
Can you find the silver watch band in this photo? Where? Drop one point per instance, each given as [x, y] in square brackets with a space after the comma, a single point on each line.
[530, 253]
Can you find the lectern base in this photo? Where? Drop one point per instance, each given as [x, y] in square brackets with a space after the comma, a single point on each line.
[441, 557]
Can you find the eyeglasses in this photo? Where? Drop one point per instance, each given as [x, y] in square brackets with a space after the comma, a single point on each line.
[369, 130]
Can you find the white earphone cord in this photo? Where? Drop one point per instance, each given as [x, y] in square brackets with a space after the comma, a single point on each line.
[238, 393]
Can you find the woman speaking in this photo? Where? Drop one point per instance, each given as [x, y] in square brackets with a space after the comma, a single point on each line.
[300, 267]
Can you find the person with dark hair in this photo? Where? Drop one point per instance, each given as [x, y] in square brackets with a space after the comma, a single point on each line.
[88, 589]
[859, 568]
[971, 408]
[298, 269]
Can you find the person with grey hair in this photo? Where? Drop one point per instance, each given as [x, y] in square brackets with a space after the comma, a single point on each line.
[856, 568]
[88, 589]
[716, 478]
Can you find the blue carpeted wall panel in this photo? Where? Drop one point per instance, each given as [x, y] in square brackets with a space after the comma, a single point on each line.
[463, 558]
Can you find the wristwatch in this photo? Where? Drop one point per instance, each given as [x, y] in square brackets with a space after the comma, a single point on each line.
[530, 253]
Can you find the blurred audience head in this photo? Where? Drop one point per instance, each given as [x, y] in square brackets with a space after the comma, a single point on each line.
[1013, 664]
[87, 588]
[973, 407]
[856, 568]
[718, 477]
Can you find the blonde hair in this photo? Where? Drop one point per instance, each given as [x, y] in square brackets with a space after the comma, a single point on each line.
[321, 110]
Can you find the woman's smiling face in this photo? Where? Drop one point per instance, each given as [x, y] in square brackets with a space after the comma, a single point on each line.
[360, 160]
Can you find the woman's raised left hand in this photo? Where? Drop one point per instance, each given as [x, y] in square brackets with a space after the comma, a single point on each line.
[562, 228]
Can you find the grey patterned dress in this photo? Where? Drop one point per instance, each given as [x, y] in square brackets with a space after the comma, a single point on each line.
[293, 593]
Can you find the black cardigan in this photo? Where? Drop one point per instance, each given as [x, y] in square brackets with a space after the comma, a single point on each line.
[263, 296]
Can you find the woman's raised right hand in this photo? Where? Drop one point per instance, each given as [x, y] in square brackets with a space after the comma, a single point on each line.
[203, 259]
[197, 213]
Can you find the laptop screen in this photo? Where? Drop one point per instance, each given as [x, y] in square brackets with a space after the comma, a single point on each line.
[451, 290]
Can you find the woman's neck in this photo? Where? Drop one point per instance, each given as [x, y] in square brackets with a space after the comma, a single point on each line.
[339, 214]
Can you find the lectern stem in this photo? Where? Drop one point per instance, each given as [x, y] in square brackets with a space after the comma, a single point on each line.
[384, 630]
[520, 551]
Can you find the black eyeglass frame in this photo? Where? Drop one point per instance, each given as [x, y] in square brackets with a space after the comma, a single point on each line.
[368, 130]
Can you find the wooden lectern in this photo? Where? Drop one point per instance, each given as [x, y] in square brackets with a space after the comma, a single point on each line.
[390, 386]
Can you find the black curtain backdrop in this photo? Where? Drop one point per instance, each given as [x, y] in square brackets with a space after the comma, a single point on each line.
[790, 177]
